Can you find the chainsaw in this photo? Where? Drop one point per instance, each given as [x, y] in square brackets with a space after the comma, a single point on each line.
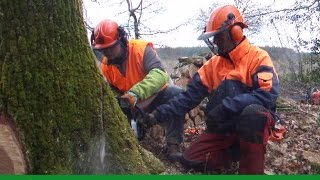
[278, 131]
[133, 114]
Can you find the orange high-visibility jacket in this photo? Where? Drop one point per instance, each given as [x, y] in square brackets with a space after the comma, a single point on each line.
[249, 74]
[134, 70]
[246, 77]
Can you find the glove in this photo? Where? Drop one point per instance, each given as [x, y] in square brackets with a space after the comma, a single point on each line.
[219, 119]
[148, 120]
[130, 98]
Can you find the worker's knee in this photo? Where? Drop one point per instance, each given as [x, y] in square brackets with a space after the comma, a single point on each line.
[253, 123]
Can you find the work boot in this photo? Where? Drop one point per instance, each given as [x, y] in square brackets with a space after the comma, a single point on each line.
[173, 151]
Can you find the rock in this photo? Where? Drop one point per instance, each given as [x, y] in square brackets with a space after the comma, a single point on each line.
[277, 147]
[157, 133]
[306, 146]
[312, 157]
[198, 120]
[266, 172]
[188, 123]
[306, 127]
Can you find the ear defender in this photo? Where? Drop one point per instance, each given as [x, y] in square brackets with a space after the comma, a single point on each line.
[235, 30]
[236, 33]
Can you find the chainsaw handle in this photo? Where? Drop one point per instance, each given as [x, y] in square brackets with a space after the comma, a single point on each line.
[122, 102]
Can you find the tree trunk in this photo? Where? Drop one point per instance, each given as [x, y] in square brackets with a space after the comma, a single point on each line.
[57, 115]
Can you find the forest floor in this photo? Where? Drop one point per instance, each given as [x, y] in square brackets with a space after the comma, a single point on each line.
[297, 153]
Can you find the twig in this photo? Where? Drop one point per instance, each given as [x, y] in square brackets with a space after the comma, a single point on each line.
[284, 108]
[307, 113]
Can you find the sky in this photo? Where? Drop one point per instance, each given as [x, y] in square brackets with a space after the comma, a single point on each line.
[177, 12]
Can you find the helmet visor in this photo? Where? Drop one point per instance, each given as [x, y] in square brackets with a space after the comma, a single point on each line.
[108, 51]
[207, 35]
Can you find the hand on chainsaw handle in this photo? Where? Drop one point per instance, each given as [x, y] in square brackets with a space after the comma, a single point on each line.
[130, 98]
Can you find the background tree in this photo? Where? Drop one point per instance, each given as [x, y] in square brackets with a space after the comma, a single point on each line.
[305, 17]
[135, 15]
[54, 103]
[297, 26]
[248, 8]
[314, 61]
[139, 16]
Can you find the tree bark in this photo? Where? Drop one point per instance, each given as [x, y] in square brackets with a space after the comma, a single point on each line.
[59, 115]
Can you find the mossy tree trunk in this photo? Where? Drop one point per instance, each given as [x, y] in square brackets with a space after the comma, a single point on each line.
[54, 104]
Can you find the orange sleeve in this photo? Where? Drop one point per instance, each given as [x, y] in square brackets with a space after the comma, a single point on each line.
[104, 67]
[206, 73]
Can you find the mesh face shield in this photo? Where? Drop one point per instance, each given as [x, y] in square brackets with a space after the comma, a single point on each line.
[210, 41]
[213, 47]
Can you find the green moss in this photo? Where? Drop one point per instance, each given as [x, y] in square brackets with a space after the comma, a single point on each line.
[53, 91]
[155, 166]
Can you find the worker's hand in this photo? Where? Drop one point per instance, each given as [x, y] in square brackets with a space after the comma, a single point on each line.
[148, 120]
[218, 119]
[130, 98]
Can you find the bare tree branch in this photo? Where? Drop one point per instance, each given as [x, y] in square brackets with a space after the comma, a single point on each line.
[154, 32]
[284, 10]
[132, 13]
